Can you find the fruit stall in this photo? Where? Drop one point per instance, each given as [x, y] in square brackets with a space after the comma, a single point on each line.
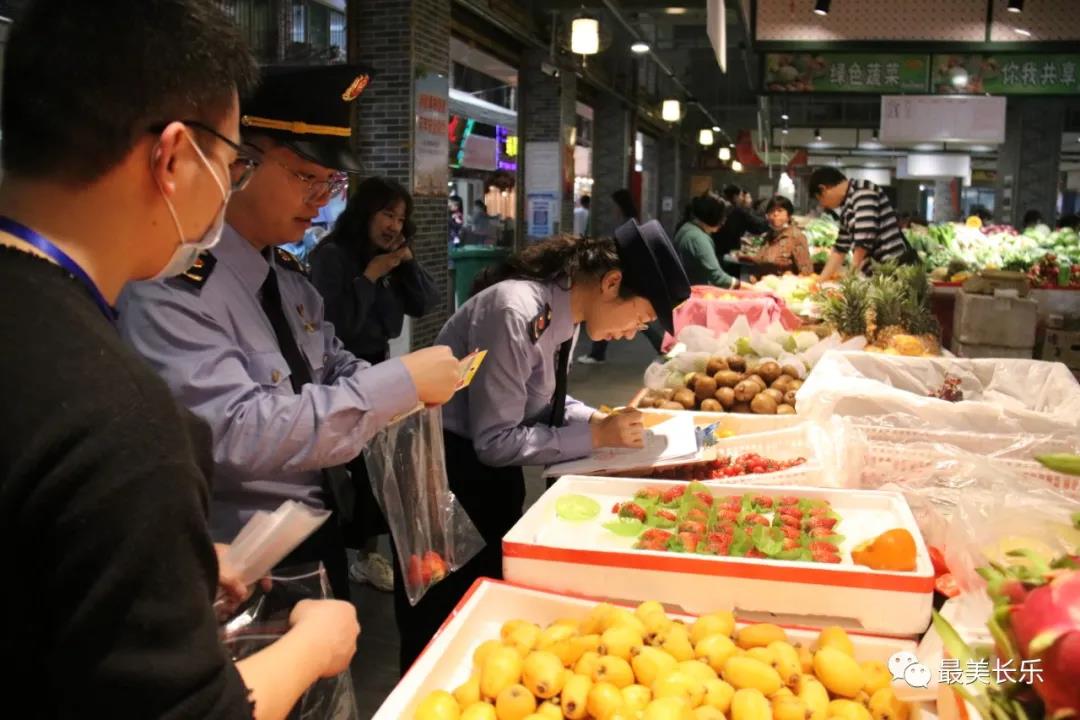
[836, 518]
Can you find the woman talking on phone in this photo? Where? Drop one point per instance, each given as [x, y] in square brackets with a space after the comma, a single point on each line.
[365, 270]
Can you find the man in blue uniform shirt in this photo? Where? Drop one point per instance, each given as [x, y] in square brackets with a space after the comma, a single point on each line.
[241, 340]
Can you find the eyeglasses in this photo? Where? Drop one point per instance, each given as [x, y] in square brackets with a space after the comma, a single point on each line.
[248, 157]
[317, 188]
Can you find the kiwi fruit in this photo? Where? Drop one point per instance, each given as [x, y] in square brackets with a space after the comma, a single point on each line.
[774, 394]
[711, 405]
[685, 397]
[691, 380]
[791, 371]
[781, 383]
[715, 365]
[740, 407]
[746, 391]
[795, 384]
[737, 363]
[727, 378]
[764, 404]
[785, 409]
[726, 396]
[667, 393]
[759, 380]
[705, 387]
[670, 405]
[647, 402]
[789, 397]
[769, 370]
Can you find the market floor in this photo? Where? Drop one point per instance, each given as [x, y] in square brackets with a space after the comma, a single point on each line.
[375, 668]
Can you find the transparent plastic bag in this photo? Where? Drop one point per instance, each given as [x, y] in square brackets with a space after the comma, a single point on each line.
[268, 538]
[264, 618]
[432, 533]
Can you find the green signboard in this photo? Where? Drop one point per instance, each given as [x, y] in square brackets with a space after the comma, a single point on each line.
[1013, 74]
[880, 73]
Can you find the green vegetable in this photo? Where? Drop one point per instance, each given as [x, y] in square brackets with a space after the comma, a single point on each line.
[769, 540]
[1061, 462]
[576, 508]
[625, 527]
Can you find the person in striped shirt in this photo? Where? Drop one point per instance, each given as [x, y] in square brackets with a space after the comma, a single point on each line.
[869, 228]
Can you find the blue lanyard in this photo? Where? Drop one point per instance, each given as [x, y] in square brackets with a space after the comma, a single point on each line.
[40, 242]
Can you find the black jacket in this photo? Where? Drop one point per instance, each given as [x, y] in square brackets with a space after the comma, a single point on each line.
[366, 315]
[739, 222]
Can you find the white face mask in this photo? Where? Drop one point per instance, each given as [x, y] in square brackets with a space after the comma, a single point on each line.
[186, 253]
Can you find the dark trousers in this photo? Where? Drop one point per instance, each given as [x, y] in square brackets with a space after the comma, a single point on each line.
[493, 498]
[326, 545]
[598, 351]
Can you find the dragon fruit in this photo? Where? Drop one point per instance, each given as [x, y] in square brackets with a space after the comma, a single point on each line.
[1046, 625]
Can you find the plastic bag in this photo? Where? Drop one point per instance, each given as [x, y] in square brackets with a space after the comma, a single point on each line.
[1000, 395]
[264, 618]
[432, 533]
[268, 538]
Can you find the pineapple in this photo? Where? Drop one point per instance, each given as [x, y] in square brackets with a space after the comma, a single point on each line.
[844, 308]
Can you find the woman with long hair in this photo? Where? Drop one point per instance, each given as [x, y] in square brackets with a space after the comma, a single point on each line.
[624, 210]
[365, 270]
[516, 412]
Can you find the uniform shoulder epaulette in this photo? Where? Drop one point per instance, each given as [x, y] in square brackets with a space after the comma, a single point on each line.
[540, 323]
[199, 273]
[287, 260]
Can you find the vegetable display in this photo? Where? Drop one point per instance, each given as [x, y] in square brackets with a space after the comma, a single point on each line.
[721, 467]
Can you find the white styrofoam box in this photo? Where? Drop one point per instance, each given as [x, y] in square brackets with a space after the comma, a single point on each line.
[738, 423]
[967, 350]
[447, 660]
[584, 558]
[997, 321]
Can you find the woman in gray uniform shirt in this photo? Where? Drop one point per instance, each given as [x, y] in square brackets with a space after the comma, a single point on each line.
[516, 411]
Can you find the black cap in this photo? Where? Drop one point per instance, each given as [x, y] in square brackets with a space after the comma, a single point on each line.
[651, 268]
[307, 108]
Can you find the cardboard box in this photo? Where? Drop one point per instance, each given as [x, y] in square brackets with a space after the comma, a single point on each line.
[584, 558]
[996, 321]
[447, 660]
[966, 350]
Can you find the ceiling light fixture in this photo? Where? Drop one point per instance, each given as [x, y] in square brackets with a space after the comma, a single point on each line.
[585, 36]
[736, 166]
[821, 7]
[671, 111]
[1016, 6]
[784, 117]
[675, 10]
[783, 131]
[817, 135]
[1022, 31]
[640, 47]
[725, 154]
[716, 128]
[705, 137]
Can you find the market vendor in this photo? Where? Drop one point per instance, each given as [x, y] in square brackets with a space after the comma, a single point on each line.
[869, 229]
[786, 249]
[694, 245]
[242, 341]
[516, 411]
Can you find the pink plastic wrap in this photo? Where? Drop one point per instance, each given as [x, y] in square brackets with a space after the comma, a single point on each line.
[761, 309]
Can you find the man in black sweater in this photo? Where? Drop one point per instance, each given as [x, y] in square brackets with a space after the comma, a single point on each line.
[120, 149]
[740, 221]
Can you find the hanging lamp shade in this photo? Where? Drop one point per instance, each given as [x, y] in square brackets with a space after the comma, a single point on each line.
[585, 36]
[736, 166]
[671, 111]
[725, 154]
[705, 137]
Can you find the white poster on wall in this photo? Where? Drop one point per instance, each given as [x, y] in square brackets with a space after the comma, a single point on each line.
[543, 173]
[942, 119]
[431, 143]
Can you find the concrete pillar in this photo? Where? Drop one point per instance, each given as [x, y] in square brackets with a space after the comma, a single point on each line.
[1029, 161]
[613, 157]
[674, 181]
[400, 40]
[547, 123]
[943, 201]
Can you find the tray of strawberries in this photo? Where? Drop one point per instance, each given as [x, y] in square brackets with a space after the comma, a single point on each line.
[716, 468]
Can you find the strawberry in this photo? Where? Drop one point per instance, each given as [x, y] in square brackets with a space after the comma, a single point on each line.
[632, 510]
[656, 534]
[755, 553]
[697, 515]
[704, 497]
[791, 543]
[672, 494]
[789, 500]
[718, 537]
[668, 515]
[655, 544]
[733, 501]
[821, 546]
[763, 501]
[756, 518]
[823, 522]
[689, 540]
[789, 521]
[691, 526]
[415, 574]
[615, 509]
[824, 557]
[729, 516]
[791, 532]
[648, 493]
[820, 532]
[733, 471]
[427, 570]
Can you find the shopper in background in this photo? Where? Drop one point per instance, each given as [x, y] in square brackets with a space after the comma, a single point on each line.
[1071, 221]
[740, 221]
[455, 219]
[694, 244]
[516, 411]
[786, 249]
[369, 280]
[581, 217]
[624, 211]
[869, 229]
[243, 342]
[1032, 218]
[109, 571]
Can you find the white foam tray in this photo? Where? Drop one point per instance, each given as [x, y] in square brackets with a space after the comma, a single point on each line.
[738, 423]
[544, 551]
[447, 660]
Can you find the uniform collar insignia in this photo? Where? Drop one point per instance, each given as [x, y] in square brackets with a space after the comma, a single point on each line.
[540, 323]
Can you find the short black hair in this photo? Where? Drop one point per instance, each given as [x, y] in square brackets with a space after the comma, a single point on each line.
[825, 177]
[83, 81]
[779, 201]
[732, 192]
[709, 210]
[1032, 217]
[625, 202]
[585, 200]
[1072, 221]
